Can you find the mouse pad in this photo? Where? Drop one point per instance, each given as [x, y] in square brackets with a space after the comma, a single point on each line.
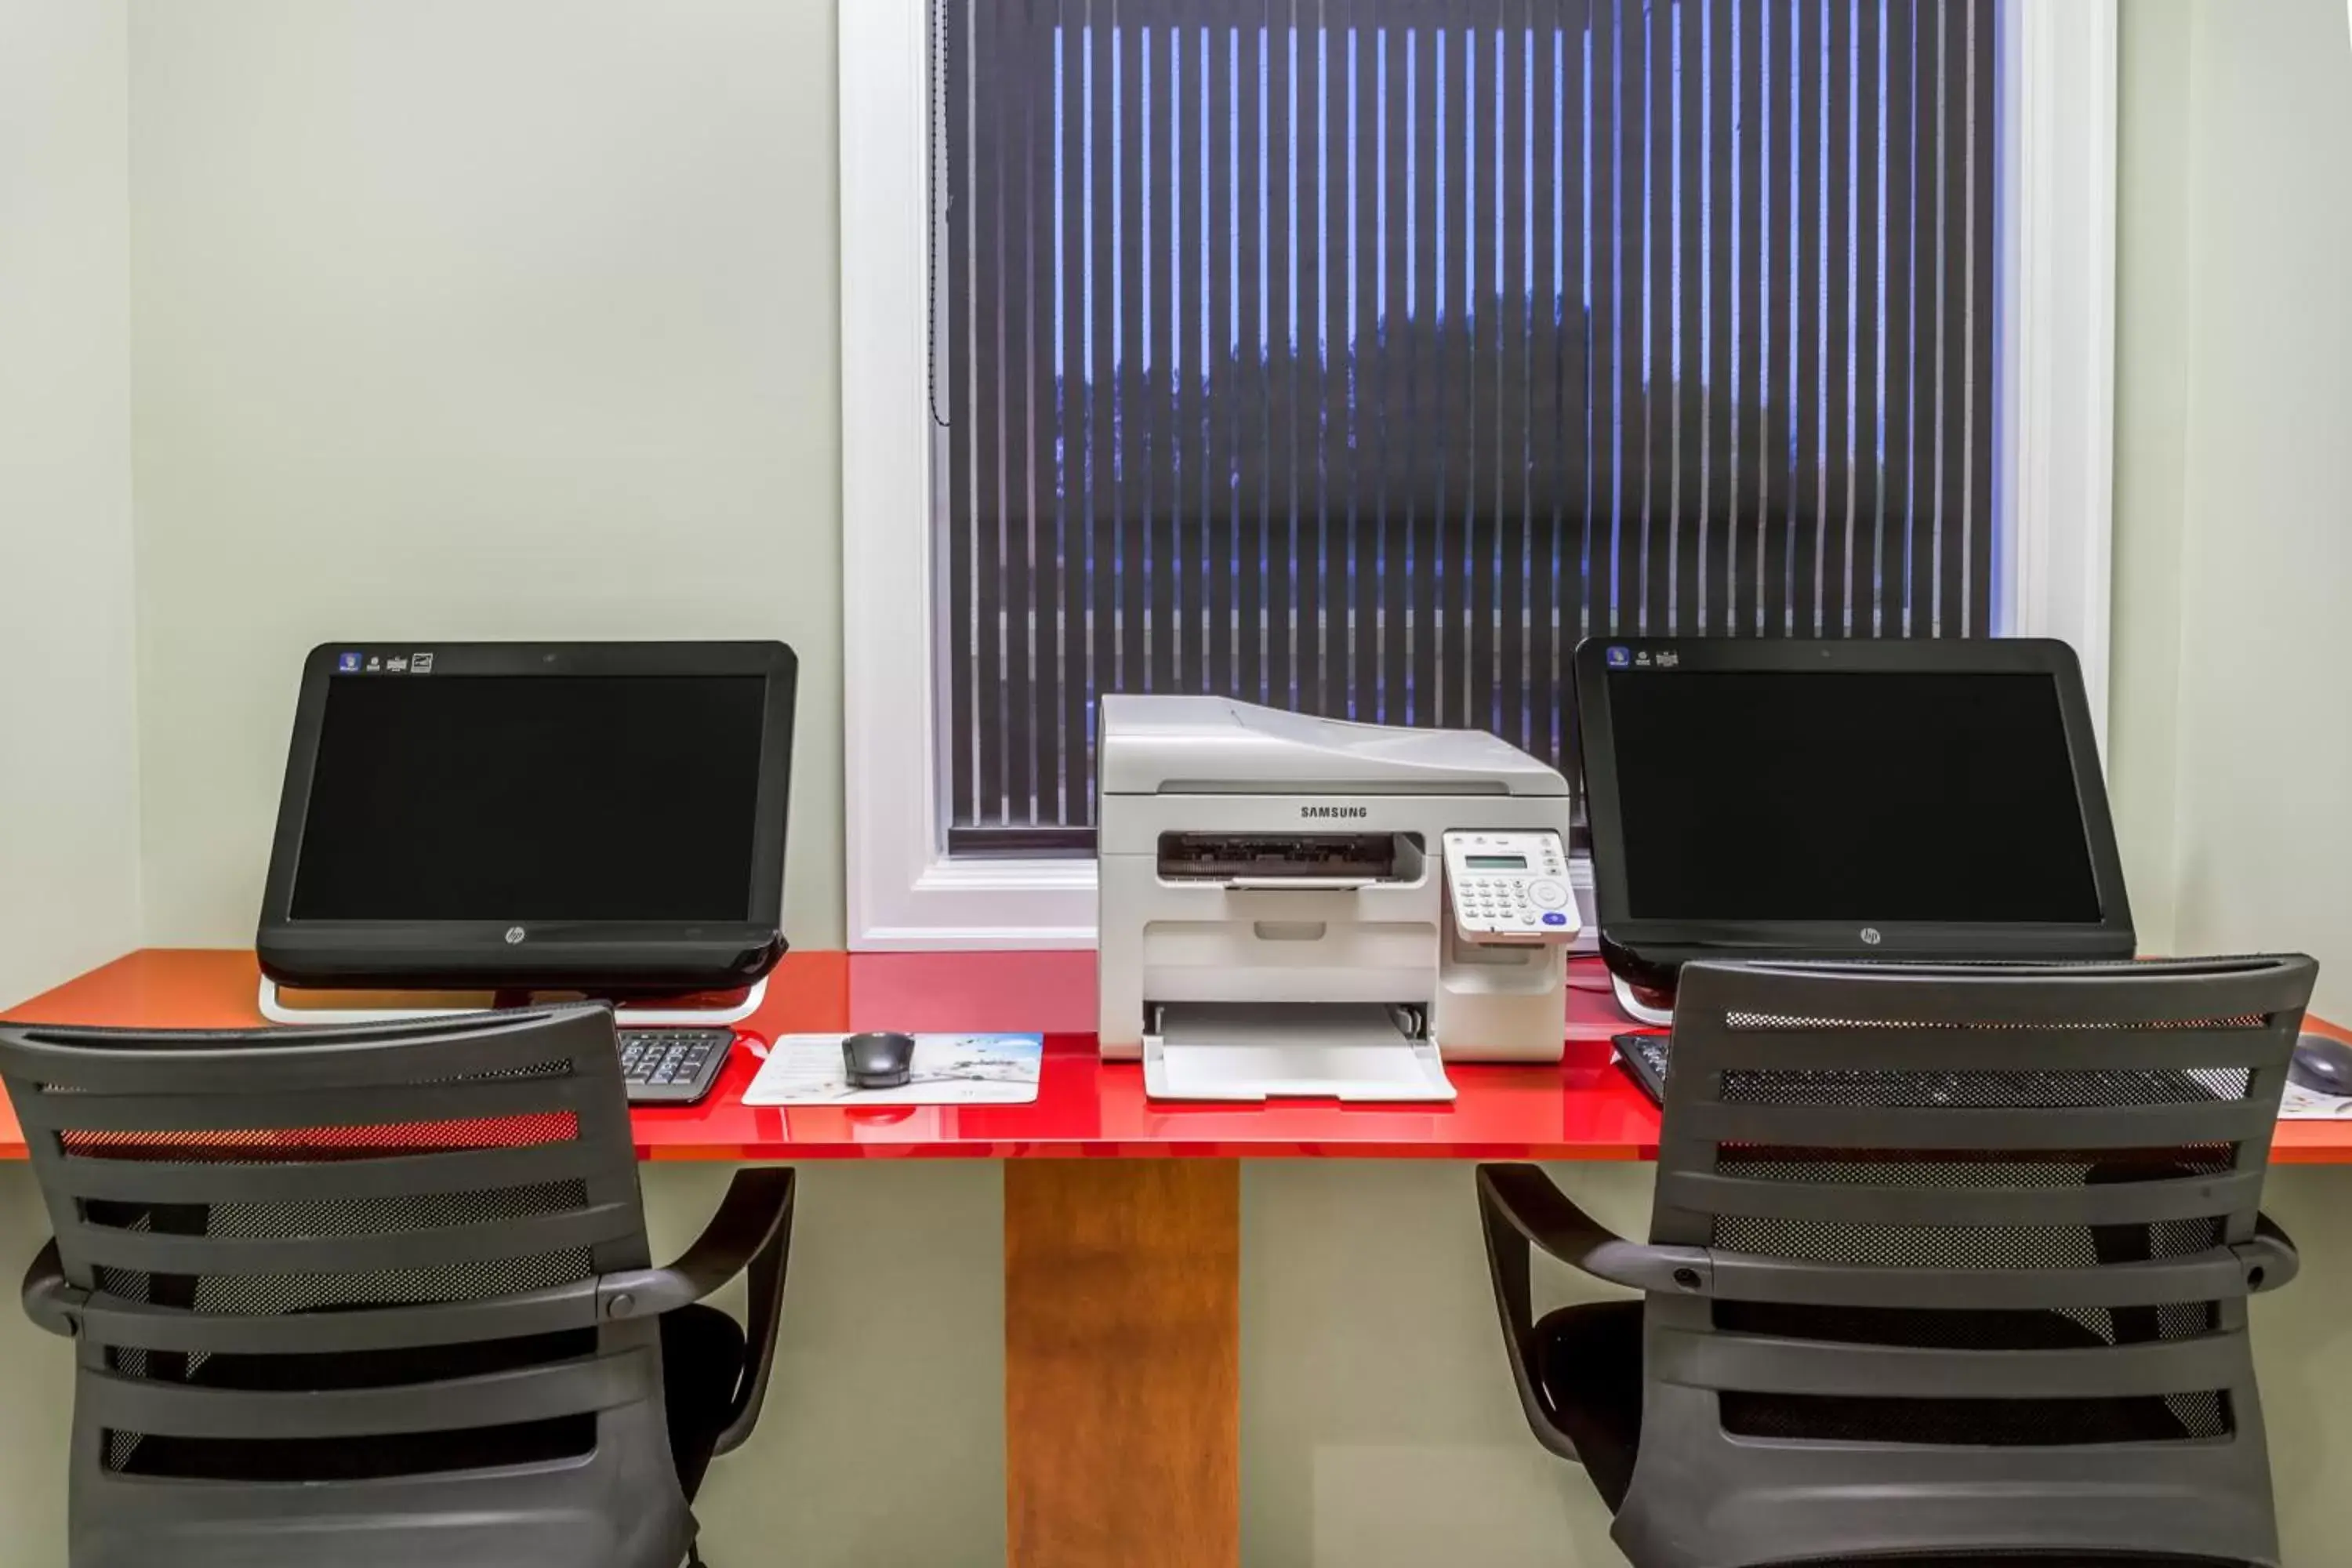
[2303, 1104]
[947, 1069]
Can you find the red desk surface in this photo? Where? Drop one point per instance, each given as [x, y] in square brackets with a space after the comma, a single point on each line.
[1584, 1109]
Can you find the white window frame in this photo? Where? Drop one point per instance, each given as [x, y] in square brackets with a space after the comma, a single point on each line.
[2056, 451]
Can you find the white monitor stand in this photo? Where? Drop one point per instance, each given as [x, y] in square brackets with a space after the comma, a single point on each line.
[274, 1008]
[1637, 1010]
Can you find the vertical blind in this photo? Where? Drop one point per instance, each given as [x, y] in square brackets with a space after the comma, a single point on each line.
[1361, 356]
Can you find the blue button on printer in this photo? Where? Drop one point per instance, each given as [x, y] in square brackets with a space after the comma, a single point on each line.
[1555, 918]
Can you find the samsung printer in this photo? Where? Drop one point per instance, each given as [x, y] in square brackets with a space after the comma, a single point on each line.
[1303, 906]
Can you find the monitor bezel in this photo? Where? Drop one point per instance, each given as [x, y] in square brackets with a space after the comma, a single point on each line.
[615, 956]
[1654, 945]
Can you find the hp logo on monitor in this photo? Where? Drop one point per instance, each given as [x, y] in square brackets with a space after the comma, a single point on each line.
[1870, 937]
[516, 933]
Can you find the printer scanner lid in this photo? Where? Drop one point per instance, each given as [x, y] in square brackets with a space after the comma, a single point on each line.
[1213, 745]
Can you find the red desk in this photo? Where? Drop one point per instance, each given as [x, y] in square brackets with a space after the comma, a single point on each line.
[1587, 1112]
[1122, 1275]
[1584, 1110]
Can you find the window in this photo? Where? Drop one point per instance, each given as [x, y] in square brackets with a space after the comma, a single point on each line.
[1361, 356]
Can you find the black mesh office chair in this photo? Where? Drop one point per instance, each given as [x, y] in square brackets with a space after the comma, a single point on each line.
[1947, 1265]
[380, 1296]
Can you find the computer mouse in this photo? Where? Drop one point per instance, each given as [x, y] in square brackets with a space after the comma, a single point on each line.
[2321, 1065]
[879, 1059]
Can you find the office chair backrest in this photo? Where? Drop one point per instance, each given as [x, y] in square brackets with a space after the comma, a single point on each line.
[1983, 1238]
[322, 1274]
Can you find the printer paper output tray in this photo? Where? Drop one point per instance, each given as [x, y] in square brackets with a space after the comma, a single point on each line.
[1256, 1051]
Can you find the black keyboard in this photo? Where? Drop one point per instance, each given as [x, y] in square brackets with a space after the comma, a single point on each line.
[672, 1067]
[1643, 1057]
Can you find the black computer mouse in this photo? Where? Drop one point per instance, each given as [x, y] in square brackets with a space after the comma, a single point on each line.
[877, 1060]
[2321, 1065]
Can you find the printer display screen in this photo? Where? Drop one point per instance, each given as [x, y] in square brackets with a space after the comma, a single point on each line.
[1496, 862]
[1861, 795]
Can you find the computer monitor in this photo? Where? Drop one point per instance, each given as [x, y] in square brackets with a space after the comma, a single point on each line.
[1926, 798]
[599, 816]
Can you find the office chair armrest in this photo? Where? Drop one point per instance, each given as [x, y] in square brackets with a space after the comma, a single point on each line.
[52, 1300]
[2270, 1259]
[766, 1282]
[1519, 1209]
[756, 1211]
[1525, 1198]
[751, 1234]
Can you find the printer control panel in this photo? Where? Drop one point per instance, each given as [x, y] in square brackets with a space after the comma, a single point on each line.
[1510, 887]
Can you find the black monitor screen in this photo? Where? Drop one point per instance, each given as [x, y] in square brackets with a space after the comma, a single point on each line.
[533, 798]
[1864, 795]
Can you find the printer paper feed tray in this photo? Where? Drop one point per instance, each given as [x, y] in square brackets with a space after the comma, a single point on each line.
[1256, 1051]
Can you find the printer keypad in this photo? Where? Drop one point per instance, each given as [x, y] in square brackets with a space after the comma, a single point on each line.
[1509, 884]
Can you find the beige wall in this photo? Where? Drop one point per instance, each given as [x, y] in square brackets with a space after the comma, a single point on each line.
[68, 769]
[489, 317]
[473, 318]
[68, 765]
[2232, 760]
[2262, 341]
[2232, 737]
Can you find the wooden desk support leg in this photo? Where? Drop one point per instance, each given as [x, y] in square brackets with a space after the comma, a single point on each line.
[1122, 1364]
